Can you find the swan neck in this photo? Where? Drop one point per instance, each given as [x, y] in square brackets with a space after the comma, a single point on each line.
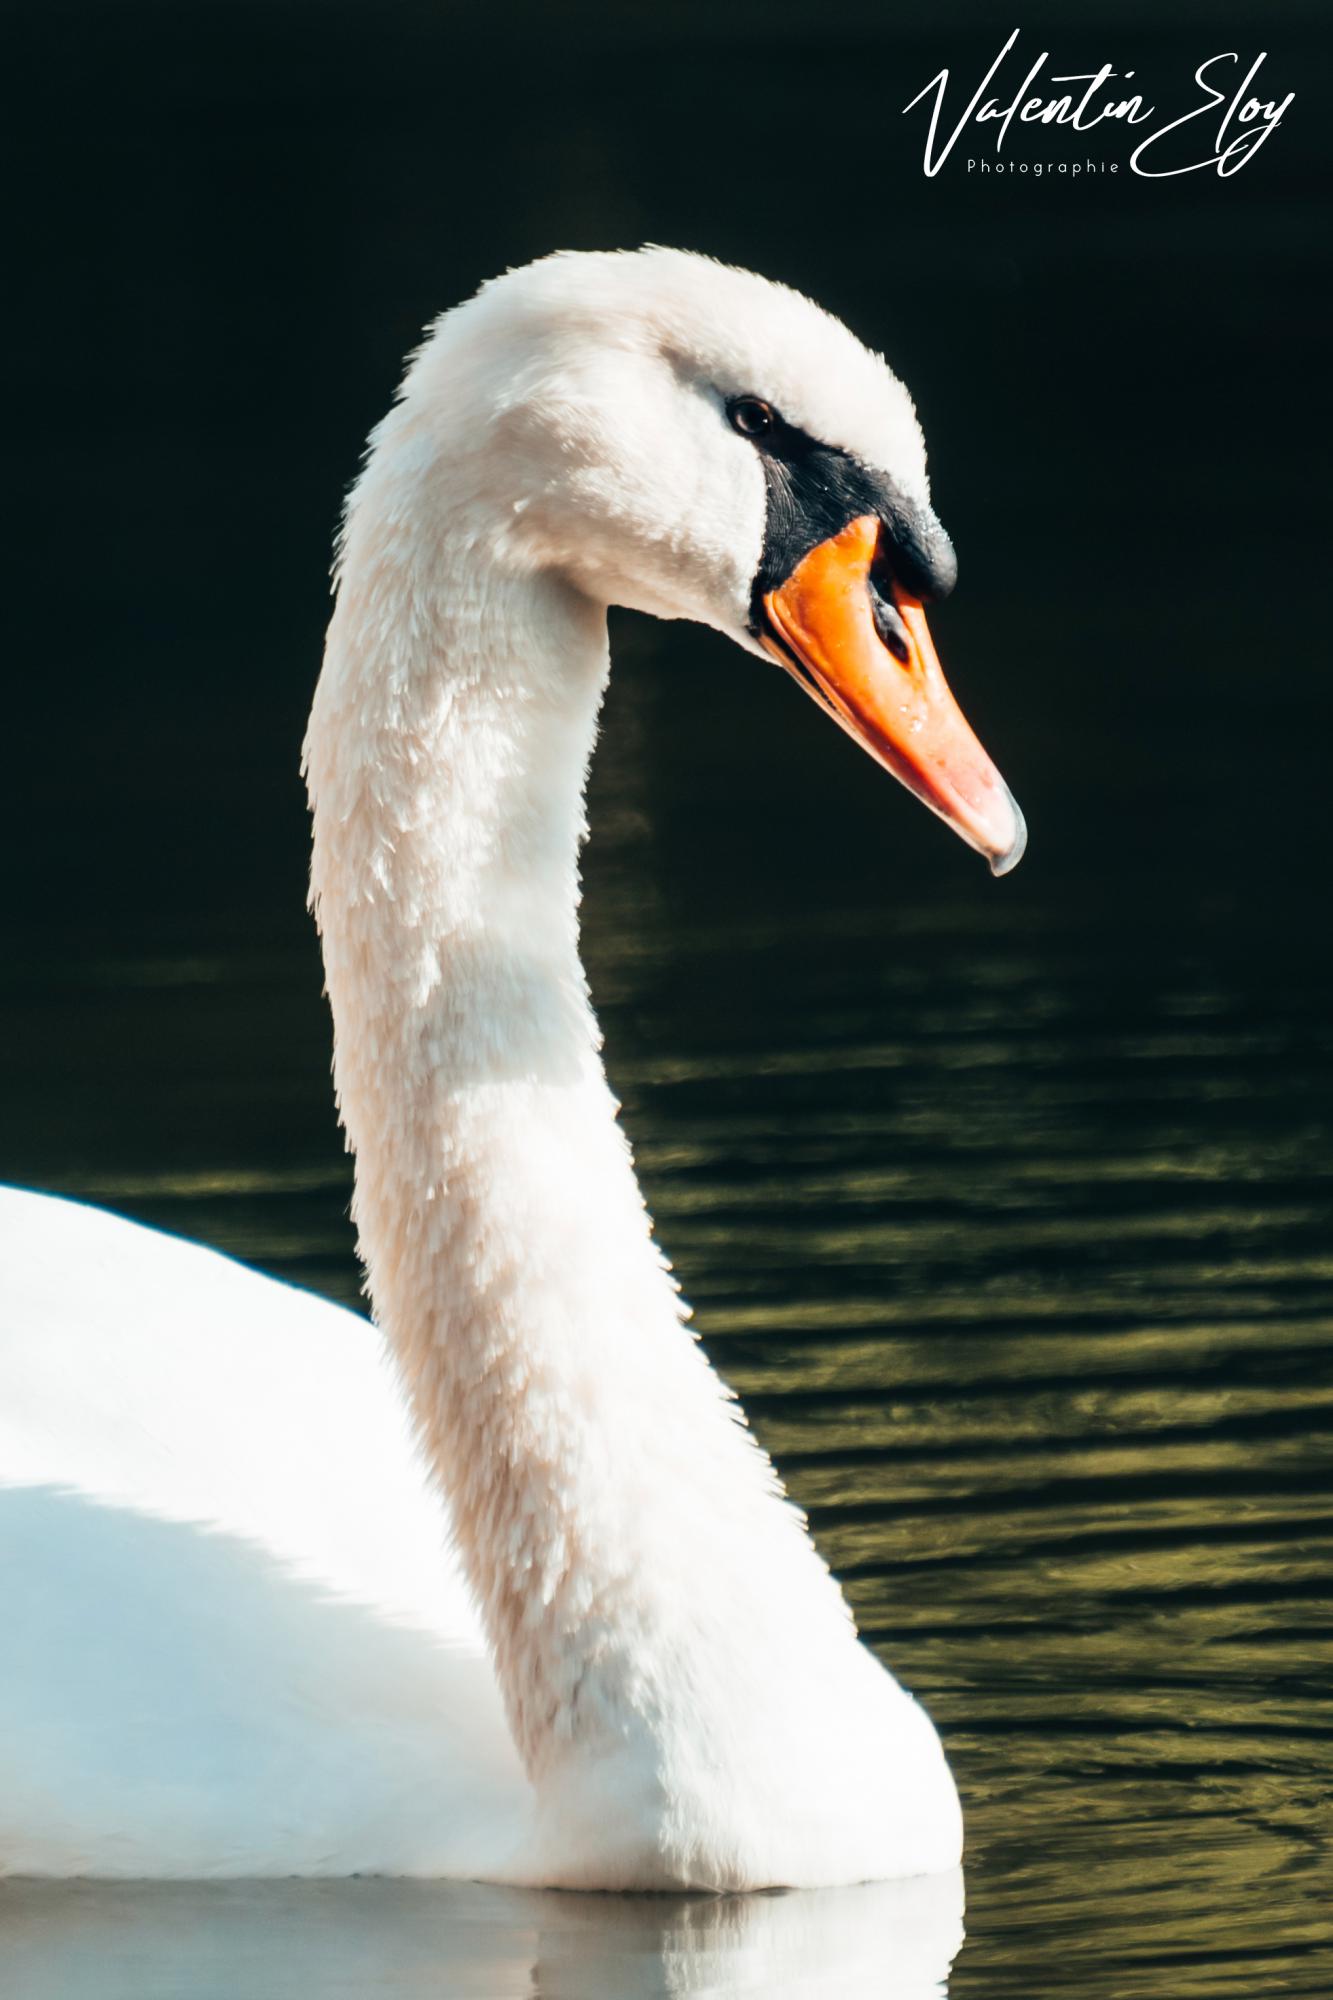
[597, 1479]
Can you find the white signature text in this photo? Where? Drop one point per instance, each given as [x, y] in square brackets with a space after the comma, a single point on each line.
[1225, 142]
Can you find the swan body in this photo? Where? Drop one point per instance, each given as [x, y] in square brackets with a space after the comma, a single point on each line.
[505, 1588]
[233, 1638]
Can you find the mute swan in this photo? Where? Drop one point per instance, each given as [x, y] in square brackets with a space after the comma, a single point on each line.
[233, 1642]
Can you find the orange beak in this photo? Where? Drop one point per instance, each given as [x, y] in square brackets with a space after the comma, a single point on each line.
[889, 695]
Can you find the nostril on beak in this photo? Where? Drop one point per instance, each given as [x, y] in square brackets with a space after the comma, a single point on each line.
[888, 623]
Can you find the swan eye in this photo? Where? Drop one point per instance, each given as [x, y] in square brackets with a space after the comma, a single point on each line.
[752, 418]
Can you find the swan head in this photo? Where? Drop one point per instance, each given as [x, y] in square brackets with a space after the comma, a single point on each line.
[690, 440]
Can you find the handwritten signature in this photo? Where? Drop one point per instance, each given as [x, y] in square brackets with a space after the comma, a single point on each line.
[1248, 118]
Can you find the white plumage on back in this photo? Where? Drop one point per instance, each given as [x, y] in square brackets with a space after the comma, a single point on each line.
[233, 1639]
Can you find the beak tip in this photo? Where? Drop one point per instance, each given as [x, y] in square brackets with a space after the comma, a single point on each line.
[1005, 863]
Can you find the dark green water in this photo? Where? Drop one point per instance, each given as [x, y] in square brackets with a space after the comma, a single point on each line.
[1007, 1207]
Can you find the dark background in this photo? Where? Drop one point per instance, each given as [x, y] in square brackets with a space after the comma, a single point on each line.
[228, 224]
[1008, 1208]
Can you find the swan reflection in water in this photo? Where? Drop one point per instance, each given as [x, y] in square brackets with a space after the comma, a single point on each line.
[462, 1941]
